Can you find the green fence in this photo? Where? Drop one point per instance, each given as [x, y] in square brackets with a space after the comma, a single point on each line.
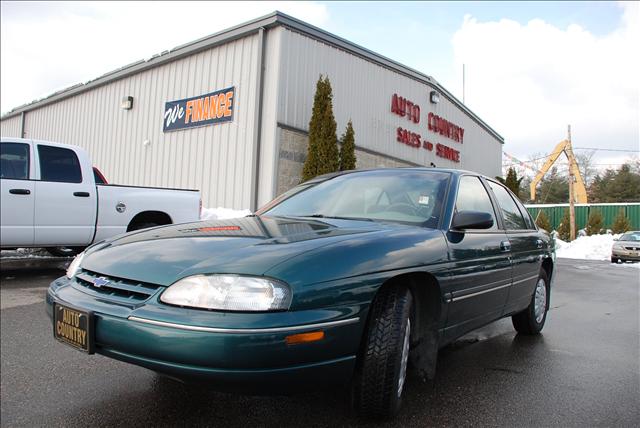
[555, 212]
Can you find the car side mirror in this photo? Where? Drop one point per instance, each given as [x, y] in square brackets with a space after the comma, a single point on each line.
[472, 220]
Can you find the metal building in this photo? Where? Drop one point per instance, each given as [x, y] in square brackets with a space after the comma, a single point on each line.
[229, 114]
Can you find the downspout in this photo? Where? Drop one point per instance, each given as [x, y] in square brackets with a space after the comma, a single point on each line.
[22, 119]
[257, 132]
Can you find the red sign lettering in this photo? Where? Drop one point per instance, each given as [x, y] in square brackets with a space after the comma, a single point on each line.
[443, 127]
[405, 108]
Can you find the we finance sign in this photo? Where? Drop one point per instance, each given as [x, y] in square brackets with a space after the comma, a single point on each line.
[207, 109]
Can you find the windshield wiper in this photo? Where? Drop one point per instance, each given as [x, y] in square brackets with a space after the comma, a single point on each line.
[333, 217]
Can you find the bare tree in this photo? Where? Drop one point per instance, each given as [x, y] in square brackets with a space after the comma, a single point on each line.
[585, 165]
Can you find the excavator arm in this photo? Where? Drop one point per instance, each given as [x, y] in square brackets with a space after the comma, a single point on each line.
[563, 146]
[557, 151]
[579, 187]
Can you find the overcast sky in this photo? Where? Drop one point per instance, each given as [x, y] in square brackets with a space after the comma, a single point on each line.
[531, 68]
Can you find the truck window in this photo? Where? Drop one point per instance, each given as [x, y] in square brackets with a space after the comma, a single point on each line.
[59, 164]
[14, 161]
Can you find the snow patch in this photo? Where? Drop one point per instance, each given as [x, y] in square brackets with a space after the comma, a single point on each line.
[221, 213]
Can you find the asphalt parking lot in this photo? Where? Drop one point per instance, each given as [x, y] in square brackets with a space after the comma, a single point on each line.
[582, 371]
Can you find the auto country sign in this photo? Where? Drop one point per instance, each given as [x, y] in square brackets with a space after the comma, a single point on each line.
[208, 109]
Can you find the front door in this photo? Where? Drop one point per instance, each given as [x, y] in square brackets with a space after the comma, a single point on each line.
[18, 195]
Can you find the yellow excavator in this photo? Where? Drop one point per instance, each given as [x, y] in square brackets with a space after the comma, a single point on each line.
[578, 191]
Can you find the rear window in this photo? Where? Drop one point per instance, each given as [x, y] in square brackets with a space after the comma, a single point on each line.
[14, 161]
[59, 164]
[511, 214]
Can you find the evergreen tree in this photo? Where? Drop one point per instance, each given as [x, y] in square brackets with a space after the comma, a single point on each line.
[564, 230]
[621, 223]
[594, 222]
[622, 185]
[322, 155]
[512, 181]
[554, 188]
[348, 149]
[543, 221]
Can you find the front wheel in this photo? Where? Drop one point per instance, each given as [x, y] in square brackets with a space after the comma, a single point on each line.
[531, 320]
[382, 364]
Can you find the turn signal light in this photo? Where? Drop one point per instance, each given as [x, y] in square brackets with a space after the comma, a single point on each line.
[295, 339]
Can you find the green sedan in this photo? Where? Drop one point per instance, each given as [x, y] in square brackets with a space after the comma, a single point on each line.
[347, 279]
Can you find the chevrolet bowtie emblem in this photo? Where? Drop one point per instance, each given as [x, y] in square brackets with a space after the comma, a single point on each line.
[100, 282]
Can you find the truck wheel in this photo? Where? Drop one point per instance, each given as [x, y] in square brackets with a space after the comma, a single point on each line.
[64, 251]
[138, 226]
[381, 369]
[531, 320]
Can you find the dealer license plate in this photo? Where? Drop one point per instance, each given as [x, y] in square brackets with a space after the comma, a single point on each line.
[73, 327]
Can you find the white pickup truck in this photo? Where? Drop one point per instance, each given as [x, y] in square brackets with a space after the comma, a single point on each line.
[50, 198]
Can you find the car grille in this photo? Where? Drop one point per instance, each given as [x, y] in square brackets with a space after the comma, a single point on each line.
[632, 248]
[115, 289]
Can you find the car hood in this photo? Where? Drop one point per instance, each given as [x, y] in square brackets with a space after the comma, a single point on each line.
[250, 245]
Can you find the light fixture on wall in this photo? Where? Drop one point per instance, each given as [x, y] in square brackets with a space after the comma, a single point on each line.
[434, 97]
[127, 103]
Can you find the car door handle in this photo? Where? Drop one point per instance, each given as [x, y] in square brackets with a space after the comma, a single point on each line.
[539, 243]
[505, 246]
[81, 194]
[20, 191]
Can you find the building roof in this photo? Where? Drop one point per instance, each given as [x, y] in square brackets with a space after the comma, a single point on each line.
[269, 21]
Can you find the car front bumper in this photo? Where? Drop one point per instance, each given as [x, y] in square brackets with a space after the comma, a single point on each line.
[253, 357]
[625, 254]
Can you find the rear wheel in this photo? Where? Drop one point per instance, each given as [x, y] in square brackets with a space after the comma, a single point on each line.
[382, 364]
[64, 251]
[531, 320]
[139, 226]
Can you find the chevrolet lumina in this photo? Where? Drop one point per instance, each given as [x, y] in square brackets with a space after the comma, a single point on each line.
[346, 279]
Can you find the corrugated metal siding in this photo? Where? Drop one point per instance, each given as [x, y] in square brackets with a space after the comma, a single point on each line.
[269, 134]
[11, 127]
[609, 213]
[216, 159]
[362, 91]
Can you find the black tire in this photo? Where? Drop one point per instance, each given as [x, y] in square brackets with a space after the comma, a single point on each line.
[614, 259]
[139, 226]
[64, 251]
[525, 322]
[376, 388]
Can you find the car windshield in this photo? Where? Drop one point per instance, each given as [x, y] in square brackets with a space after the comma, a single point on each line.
[631, 236]
[406, 196]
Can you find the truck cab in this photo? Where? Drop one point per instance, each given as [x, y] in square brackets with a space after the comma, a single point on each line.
[50, 198]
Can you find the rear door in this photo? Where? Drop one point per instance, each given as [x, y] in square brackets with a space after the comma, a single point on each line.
[18, 194]
[480, 275]
[526, 247]
[65, 209]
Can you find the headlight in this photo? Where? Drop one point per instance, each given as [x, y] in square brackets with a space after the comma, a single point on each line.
[617, 246]
[75, 265]
[228, 293]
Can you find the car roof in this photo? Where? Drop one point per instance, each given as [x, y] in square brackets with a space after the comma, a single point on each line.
[416, 168]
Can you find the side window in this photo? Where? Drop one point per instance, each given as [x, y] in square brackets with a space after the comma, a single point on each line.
[527, 217]
[59, 164]
[513, 219]
[472, 196]
[14, 161]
